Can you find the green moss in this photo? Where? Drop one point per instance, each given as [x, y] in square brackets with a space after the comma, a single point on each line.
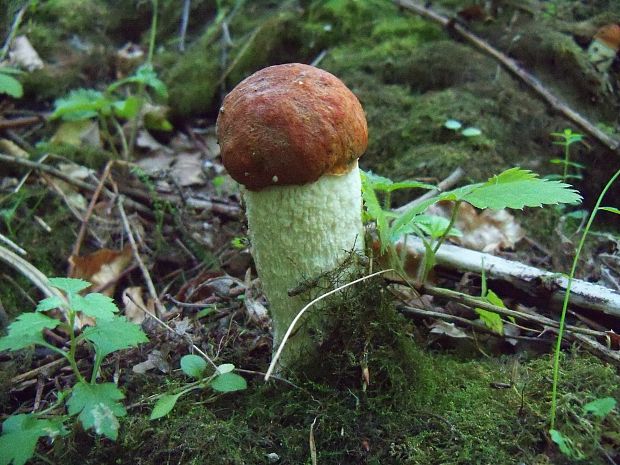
[19, 225]
[419, 407]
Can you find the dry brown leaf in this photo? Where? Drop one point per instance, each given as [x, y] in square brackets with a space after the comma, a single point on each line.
[448, 329]
[78, 133]
[488, 231]
[101, 267]
[187, 169]
[23, 54]
[134, 304]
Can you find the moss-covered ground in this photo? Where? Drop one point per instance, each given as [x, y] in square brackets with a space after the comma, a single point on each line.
[429, 401]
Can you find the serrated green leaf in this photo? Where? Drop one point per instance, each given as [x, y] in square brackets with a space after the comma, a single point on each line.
[10, 86]
[26, 331]
[610, 210]
[98, 407]
[164, 405]
[20, 434]
[49, 303]
[147, 76]
[517, 188]
[193, 365]
[600, 407]
[69, 285]
[228, 382]
[80, 104]
[96, 305]
[115, 334]
[383, 184]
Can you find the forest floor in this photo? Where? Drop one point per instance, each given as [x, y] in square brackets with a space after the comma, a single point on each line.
[88, 136]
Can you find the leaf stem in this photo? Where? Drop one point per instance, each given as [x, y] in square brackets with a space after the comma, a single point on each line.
[558, 345]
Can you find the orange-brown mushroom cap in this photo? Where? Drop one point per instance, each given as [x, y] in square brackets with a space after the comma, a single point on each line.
[289, 125]
[609, 35]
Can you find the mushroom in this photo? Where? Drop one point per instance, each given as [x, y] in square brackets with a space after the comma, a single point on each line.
[291, 134]
[604, 47]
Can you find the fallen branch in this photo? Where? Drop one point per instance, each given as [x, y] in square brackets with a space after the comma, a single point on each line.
[511, 65]
[29, 271]
[527, 278]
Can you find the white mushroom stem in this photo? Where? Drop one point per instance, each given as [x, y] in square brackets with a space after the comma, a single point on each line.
[297, 233]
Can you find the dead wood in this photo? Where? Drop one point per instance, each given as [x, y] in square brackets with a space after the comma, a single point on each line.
[529, 279]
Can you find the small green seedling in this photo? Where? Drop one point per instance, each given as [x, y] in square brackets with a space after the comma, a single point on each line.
[97, 405]
[567, 138]
[222, 379]
[599, 409]
[514, 188]
[457, 126]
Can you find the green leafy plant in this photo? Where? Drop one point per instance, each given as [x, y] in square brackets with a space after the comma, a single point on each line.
[598, 409]
[8, 84]
[567, 138]
[514, 188]
[97, 405]
[571, 276]
[222, 379]
[112, 105]
[117, 102]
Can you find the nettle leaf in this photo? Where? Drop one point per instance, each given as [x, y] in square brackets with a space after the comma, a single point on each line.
[69, 285]
[164, 405]
[518, 188]
[228, 382]
[80, 104]
[10, 86]
[600, 407]
[96, 305]
[98, 407]
[50, 303]
[26, 331]
[193, 365]
[115, 334]
[20, 434]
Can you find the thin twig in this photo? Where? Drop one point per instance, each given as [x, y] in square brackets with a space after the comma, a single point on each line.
[447, 183]
[29, 271]
[91, 206]
[171, 329]
[511, 65]
[145, 273]
[14, 27]
[13, 245]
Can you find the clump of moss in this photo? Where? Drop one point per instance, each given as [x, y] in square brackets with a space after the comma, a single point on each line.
[20, 226]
